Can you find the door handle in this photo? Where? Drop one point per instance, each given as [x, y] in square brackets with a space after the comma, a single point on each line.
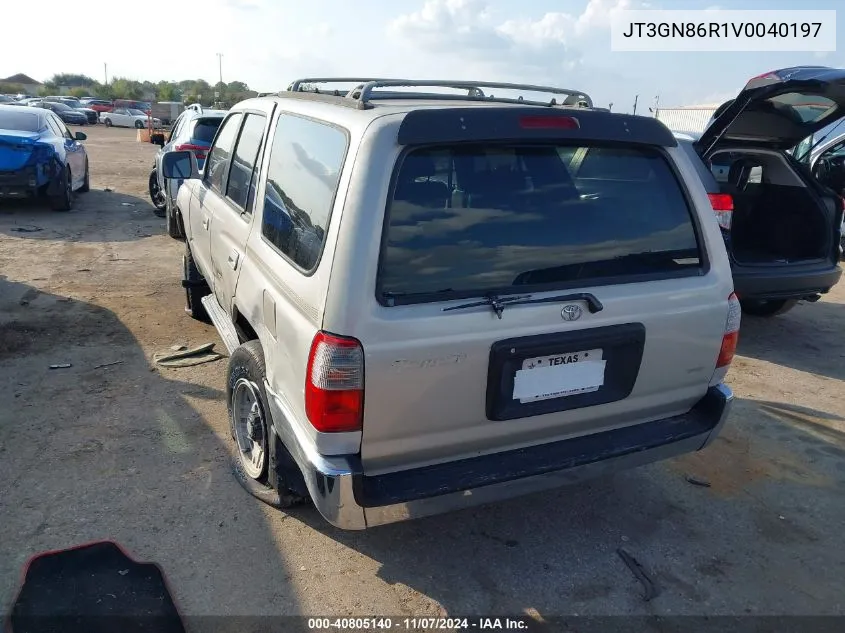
[233, 259]
[205, 223]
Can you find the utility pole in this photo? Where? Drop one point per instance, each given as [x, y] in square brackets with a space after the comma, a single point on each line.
[106, 72]
[636, 98]
[610, 106]
[656, 104]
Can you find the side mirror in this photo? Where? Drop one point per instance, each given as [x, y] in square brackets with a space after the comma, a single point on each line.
[80, 136]
[157, 139]
[179, 165]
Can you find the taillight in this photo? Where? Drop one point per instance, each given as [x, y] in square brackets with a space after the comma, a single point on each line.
[723, 207]
[546, 122]
[199, 151]
[731, 336]
[334, 384]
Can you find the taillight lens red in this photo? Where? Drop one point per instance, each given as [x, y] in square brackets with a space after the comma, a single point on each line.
[731, 337]
[723, 207]
[334, 384]
[549, 123]
[199, 151]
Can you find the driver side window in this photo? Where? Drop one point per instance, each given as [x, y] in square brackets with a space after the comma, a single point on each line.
[218, 158]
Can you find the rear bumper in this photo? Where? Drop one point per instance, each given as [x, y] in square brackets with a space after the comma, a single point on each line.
[793, 282]
[351, 500]
[22, 183]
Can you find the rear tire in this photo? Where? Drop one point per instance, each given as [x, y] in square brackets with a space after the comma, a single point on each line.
[261, 457]
[64, 200]
[139, 125]
[195, 287]
[767, 307]
[156, 194]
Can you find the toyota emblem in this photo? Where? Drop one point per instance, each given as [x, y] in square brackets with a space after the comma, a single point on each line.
[571, 312]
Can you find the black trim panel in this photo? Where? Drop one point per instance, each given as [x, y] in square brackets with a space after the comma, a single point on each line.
[457, 125]
[623, 350]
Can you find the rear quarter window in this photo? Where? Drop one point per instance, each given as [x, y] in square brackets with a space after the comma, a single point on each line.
[466, 220]
[306, 158]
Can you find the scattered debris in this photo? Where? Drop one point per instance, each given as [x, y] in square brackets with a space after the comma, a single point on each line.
[640, 574]
[188, 357]
[178, 348]
[83, 270]
[781, 517]
[145, 235]
[108, 189]
[625, 539]
[302, 568]
[30, 228]
[126, 204]
[61, 366]
[696, 481]
[116, 362]
[123, 572]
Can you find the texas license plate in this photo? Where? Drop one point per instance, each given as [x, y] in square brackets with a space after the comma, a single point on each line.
[559, 375]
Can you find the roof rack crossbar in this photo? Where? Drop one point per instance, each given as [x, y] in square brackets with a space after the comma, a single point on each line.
[473, 88]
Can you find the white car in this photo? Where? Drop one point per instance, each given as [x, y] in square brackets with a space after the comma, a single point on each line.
[127, 117]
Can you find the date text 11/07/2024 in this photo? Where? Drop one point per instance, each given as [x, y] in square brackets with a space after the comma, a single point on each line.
[413, 624]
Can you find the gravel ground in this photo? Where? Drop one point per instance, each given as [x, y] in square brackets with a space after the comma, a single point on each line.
[140, 454]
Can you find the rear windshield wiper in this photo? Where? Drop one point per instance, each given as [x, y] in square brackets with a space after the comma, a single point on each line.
[498, 303]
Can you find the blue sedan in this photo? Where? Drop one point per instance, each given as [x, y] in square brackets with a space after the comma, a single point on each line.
[40, 157]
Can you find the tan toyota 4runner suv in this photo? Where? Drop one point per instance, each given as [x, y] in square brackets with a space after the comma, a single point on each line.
[434, 297]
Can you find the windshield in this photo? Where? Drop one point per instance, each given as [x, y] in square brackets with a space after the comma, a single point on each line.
[57, 106]
[485, 218]
[18, 120]
[134, 112]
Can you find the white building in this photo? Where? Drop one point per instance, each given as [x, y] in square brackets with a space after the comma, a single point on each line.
[687, 118]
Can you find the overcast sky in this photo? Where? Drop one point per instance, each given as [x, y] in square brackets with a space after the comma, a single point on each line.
[267, 43]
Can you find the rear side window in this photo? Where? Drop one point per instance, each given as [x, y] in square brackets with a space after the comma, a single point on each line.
[218, 157]
[305, 162]
[205, 129]
[471, 219]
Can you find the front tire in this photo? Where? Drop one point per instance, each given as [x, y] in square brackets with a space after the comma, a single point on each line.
[767, 308]
[196, 287]
[258, 448]
[107, 122]
[86, 184]
[139, 125]
[175, 228]
[64, 200]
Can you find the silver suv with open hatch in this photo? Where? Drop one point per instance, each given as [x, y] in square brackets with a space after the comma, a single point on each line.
[437, 299]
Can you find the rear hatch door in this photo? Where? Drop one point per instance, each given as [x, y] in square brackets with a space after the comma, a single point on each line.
[779, 109]
[542, 284]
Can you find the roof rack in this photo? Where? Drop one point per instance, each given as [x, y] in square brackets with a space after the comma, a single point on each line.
[365, 91]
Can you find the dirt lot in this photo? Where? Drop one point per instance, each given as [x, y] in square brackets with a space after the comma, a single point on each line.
[139, 454]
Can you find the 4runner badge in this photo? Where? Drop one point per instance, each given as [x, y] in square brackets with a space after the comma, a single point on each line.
[571, 312]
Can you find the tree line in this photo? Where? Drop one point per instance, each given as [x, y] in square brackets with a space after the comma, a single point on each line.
[187, 91]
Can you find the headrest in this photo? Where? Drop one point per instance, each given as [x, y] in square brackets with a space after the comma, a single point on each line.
[417, 165]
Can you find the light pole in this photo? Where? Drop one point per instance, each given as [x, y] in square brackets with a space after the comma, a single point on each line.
[220, 83]
[106, 72]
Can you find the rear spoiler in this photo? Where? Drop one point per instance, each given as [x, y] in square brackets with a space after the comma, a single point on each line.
[460, 125]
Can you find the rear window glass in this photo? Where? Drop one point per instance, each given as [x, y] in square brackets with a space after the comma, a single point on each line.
[802, 107]
[22, 121]
[205, 129]
[484, 218]
[708, 178]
